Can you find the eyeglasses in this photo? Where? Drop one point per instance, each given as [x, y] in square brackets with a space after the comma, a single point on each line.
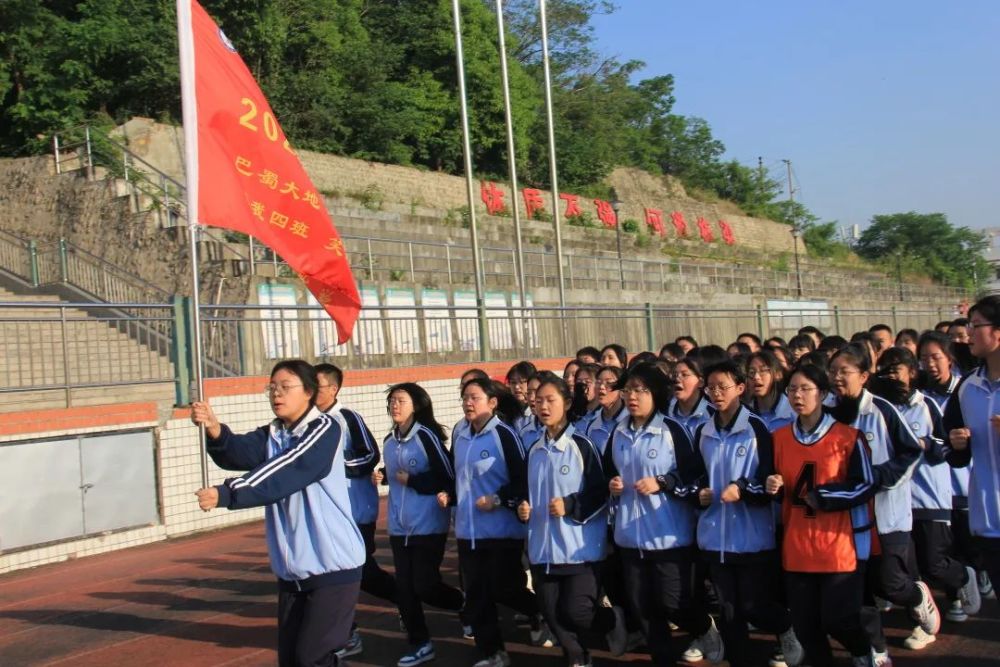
[718, 388]
[638, 391]
[796, 390]
[979, 325]
[279, 389]
[753, 372]
[843, 372]
[586, 383]
[473, 399]
[609, 383]
[684, 375]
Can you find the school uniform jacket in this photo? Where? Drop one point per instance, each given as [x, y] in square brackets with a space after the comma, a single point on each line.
[976, 400]
[660, 449]
[959, 476]
[531, 431]
[490, 461]
[895, 453]
[566, 467]
[742, 455]
[361, 456]
[931, 484]
[830, 465]
[702, 412]
[298, 475]
[413, 507]
[600, 429]
[780, 415]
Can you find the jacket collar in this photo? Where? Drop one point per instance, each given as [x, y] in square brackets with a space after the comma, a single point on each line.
[826, 422]
[561, 441]
[409, 435]
[299, 427]
[741, 422]
[654, 426]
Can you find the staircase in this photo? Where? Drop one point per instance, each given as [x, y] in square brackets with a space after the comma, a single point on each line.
[53, 355]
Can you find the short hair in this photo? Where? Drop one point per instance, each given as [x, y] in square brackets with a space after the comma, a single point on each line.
[304, 371]
[945, 324]
[673, 349]
[814, 374]
[331, 371]
[812, 330]
[689, 339]
[752, 336]
[641, 357]
[802, 340]
[742, 349]
[880, 327]
[855, 355]
[729, 368]
[907, 334]
[589, 351]
[831, 344]
[709, 354]
[523, 368]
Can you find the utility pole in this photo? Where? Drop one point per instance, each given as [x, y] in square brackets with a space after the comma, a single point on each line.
[796, 231]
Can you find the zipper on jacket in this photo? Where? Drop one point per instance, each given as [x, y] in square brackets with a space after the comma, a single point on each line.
[723, 454]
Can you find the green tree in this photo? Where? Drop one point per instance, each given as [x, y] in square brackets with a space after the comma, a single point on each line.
[949, 254]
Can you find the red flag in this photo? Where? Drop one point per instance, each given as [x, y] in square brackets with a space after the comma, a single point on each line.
[248, 178]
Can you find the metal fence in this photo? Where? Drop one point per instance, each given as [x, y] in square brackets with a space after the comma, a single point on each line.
[71, 346]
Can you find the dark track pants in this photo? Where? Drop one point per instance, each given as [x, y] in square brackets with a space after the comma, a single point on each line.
[567, 598]
[747, 593]
[314, 624]
[934, 547]
[418, 580]
[374, 580]
[827, 604]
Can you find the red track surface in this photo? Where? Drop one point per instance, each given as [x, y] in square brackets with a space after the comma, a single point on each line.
[210, 600]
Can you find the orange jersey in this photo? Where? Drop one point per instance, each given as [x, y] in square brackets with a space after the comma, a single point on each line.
[815, 541]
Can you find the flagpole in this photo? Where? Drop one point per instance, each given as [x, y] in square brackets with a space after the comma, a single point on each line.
[189, 107]
[467, 155]
[512, 166]
[552, 158]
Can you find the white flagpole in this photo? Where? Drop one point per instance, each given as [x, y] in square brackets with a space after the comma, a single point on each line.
[552, 157]
[189, 106]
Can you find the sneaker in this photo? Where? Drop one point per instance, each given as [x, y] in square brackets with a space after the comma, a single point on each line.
[542, 637]
[618, 636]
[498, 659]
[882, 604]
[352, 647]
[926, 612]
[711, 644]
[693, 652]
[956, 612]
[467, 632]
[423, 654]
[918, 639]
[791, 648]
[969, 593]
[985, 585]
[880, 659]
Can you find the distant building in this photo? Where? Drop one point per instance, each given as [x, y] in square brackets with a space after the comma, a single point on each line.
[992, 254]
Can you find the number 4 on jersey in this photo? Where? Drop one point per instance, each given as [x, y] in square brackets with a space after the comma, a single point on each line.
[804, 483]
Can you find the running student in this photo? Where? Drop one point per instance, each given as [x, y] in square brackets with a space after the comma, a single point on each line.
[895, 452]
[296, 472]
[585, 403]
[490, 482]
[517, 378]
[765, 380]
[566, 521]
[532, 429]
[941, 377]
[689, 405]
[651, 468]
[824, 476]
[736, 532]
[972, 423]
[417, 469]
[361, 457]
[930, 487]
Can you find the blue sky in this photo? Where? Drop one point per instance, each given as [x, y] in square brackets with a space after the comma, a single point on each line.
[882, 106]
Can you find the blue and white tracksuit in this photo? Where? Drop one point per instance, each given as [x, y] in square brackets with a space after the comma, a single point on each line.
[959, 476]
[531, 431]
[361, 456]
[488, 462]
[931, 484]
[413, 507]
[974, 402]
[702, 412]
[298, 474]
[660, 449]
[895, 453]
[600, 429]
[742, 455]
[779, 415]
[567, 467]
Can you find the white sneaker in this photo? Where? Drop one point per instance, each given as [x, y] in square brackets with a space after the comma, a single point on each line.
[498, 659]
[792, 650]
[926, 612]
[711, 644]
[969, 593]
[693, 652]
[918, 639]
[985, 585]
[352, 647]
[423, 654]
[956, 612]
[881, 659]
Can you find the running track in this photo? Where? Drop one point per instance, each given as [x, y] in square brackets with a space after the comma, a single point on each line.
[210, 600]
